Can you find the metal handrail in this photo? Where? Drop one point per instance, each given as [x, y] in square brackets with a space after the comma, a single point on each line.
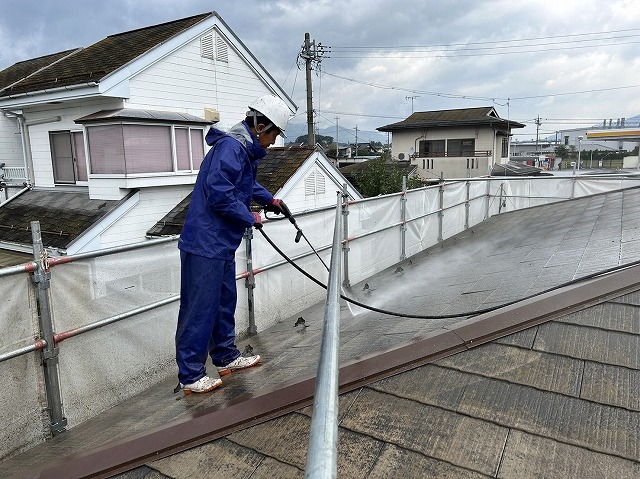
[322, 452]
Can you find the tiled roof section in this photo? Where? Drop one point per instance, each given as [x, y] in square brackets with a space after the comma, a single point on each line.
[171, 224]
[446, 118]
[514, 168]
[280, 164]
[93, 63]
[273, 172]
[130, 114]
[63, 216]
[21, 70]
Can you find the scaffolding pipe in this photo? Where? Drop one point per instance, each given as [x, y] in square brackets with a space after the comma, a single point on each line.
[250, 283]
[322, 452]
[403, 216]
[345, 232]
[28, 267]
[59, 337]
[56, 260]
[42, 280]
[37, 346]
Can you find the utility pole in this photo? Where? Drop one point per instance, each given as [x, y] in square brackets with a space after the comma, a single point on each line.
[337, 144]
[310, 53]
[411, 98]
[537, 130]
[356, 154]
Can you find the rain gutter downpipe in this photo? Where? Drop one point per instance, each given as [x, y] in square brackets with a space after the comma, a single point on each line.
[322, 452]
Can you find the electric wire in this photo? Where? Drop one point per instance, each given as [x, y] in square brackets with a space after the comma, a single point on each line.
[468, 314]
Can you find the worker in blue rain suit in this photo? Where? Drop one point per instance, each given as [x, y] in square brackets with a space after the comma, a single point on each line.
[213, 229]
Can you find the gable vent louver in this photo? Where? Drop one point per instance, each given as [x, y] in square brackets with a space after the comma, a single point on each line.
[222, 51]
[206, 46]
[314, 184]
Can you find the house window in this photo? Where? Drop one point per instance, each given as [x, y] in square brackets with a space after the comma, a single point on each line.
[135, 149]
[431, 148]
[68, 158]
[566, 140]
[461, 147]
[189, 148]
[314, 184]
[505, 147]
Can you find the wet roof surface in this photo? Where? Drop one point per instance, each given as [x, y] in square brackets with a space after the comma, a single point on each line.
[559, 399]
[63, 215]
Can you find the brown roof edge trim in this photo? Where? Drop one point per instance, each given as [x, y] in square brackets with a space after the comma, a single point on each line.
[249, 410]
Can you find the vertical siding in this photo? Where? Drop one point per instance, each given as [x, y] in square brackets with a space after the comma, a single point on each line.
[185, 81]
[10, 142]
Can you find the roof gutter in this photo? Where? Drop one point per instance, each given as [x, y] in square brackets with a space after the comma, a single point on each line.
[46, 91]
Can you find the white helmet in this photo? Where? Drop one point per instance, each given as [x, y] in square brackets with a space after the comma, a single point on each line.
[274, 109]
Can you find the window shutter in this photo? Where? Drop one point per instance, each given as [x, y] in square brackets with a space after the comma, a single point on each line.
[206, 46]
[222, 51]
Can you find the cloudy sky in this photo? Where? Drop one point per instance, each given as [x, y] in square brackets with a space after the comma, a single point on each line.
[572, 63]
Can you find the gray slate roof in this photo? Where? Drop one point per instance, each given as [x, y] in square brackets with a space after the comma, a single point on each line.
[559, 399]
[460, 117]
[131, 114]
[64, 216]
[89, 64]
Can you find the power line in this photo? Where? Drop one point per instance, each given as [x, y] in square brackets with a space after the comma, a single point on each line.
[507, 41]
[454, 53]
[470, 97]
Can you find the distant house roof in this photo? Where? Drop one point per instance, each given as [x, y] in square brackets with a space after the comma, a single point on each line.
[93, 63]
[63, 215]
[514, 168]
[130, 114]
[275, 169]
[481, 116]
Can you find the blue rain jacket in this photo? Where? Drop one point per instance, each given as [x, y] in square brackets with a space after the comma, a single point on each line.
[219, 210]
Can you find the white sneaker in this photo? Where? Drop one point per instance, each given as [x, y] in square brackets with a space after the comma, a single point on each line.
[239, 363]
[202, 385]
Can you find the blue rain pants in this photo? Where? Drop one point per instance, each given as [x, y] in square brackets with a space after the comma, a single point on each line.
[207, 308]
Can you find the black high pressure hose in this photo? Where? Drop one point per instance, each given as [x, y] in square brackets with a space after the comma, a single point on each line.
[420, 316]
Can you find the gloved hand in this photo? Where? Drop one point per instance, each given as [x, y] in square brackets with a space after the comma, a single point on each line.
[257, 221]
[278, 207]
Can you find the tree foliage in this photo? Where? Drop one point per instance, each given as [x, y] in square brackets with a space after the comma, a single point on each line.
[322, 140]
[382, 176]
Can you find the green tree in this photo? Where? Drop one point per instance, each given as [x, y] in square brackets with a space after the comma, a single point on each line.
[382, 176]
[322, 140]
[562, 152]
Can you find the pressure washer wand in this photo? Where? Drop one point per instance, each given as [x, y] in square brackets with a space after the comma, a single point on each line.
[299, 234]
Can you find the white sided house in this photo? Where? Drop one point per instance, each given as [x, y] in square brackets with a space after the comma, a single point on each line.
[123, 121]
[456, 143]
